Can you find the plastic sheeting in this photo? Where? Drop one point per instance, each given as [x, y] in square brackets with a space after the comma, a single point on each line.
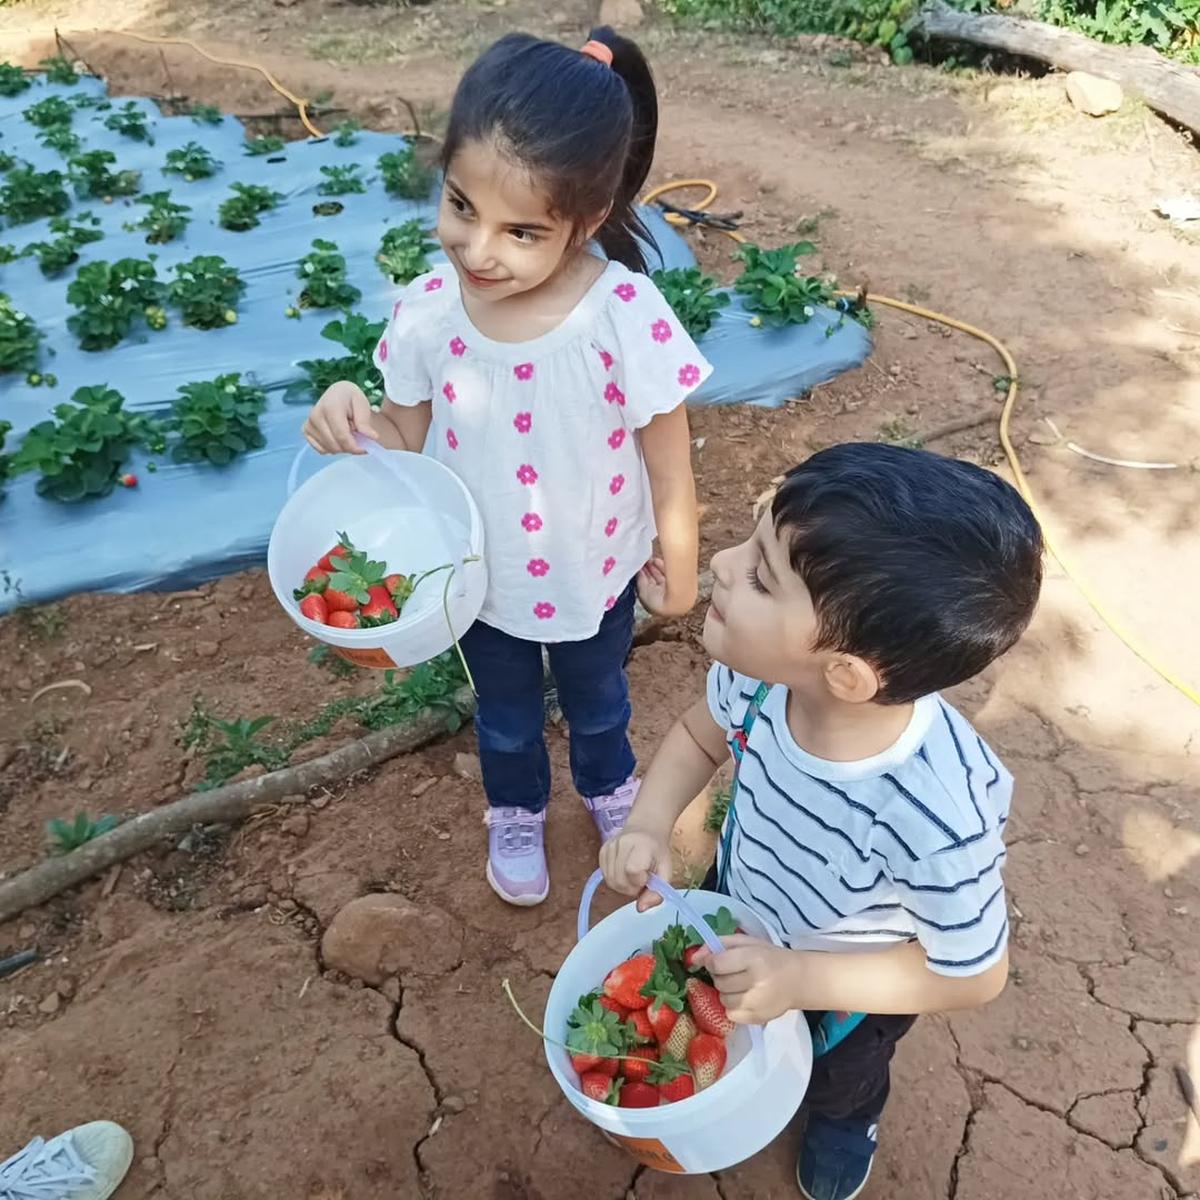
[187, 523]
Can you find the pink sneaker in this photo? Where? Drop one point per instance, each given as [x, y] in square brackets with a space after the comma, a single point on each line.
[612, 811]
[516, 866]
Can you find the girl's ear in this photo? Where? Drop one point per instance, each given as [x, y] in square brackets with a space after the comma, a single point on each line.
[593, 225]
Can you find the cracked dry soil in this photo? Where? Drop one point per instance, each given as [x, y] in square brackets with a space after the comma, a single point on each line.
[187, 997]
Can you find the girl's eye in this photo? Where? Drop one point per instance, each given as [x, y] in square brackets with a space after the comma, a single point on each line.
[755, 582]
[459, 205]
[525, 236]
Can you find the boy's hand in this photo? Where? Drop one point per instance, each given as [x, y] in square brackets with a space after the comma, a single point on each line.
[756, 979]
[629, 859]
[658, 596]
[334, 419]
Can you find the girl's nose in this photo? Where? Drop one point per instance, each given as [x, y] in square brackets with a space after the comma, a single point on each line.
[480, 249]
[722, 566]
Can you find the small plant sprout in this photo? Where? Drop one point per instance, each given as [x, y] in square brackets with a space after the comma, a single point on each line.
[66, 836]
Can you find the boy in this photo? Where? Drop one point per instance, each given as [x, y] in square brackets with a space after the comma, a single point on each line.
[868, 815]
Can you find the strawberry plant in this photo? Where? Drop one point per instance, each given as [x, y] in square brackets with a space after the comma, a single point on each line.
[65, 836]
[229, 746]
[771, 288]
[13, 81]
[45, 114]
[216, 420]
[405, 175]
[403, 252]
[324, 275]
[60, 70]
[57, 255]
[27, 195]
[9, 253]
[346, 134]
[19, 338]
[358, 337]
[242, 210]
[109, 297]
[129, 121]
[256, 147]
[7, 162]
[207, 289]
[342, 181]
[192, 161]
[61, 138]
[80, 453]
[206, 114]
[164, 221]
[91, 174]
[692, 296]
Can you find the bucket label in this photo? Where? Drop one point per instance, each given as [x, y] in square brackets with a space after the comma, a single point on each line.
[650, 1152]
[365, 658]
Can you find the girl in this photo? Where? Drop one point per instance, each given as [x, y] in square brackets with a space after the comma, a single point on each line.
[552, 382]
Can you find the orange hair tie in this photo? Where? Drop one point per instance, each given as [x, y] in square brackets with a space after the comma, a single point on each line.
[599, 51]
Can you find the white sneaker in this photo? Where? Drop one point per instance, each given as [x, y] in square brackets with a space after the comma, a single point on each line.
[85, 1163]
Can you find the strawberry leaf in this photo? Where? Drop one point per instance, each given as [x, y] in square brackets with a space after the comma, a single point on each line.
[593, 1029]
[667, 984]
[667, 1068]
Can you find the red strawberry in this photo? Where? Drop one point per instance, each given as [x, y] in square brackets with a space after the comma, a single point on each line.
[340, 619]
[706, 1056]
[707, 1010]
[594, 1063]
[316, 579]
[640, 1020]
[344, 547]
[625, 981]
[673, 1079]
[689, 957]
[680, 1037]
[128, 481]
[399, 588]
[337, 601]
[662, 1020]
[314, 608]
[637, 1066]
[639, 1095]
[379, 609]
[612, 1006]
[598, 1087]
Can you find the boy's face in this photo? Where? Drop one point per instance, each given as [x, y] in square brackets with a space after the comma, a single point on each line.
[761, 620]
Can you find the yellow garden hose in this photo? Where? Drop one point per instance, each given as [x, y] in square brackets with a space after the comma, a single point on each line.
[1010, 401]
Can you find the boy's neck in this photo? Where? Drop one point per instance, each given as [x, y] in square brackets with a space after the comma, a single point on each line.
[828, 728]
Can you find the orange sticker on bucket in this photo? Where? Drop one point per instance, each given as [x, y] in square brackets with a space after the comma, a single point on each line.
[650, 1152]
[365, 658]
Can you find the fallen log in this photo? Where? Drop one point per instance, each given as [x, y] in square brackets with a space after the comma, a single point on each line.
[1169, 88]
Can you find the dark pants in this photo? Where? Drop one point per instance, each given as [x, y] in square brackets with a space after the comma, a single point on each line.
[851, 1081]
[511, 717]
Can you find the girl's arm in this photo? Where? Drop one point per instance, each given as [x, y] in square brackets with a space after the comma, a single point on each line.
[408, 424]
[667, 450]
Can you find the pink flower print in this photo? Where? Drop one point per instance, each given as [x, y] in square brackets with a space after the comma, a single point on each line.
[616, 439]
[523, 422]
[606, 359]
[544, 611]
[616, 483]
[527, 475]
[433, 284]
[609, 563]
[451, 439]
[611, 527]
[531, 522]
[689, 375]
[614, 395]
[383, 349]
[523, 371]
[626, 291]
[449, 392]
[610, 604]
[537, 567]
[458, 347]
[660, 331]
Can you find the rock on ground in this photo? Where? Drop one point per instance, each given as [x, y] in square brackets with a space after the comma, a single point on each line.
[378, 936]
[1092, 95]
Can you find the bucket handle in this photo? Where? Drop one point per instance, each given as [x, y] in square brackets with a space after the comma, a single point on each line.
[657, 884]
[384, 456]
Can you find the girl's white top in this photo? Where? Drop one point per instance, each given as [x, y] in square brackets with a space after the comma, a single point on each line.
[544, 435]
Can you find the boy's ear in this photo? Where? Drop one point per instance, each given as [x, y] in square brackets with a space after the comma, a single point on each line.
[851, 679]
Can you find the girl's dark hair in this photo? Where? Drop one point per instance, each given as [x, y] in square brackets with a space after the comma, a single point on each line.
[586, 131]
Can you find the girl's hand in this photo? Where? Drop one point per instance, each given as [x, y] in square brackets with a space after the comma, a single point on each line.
[335, 418]
[629, 858]
[658, 596]
[756, 978]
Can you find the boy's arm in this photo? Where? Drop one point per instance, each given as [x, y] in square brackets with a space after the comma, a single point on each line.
[758, 981]
[687, 760]
[667, 450]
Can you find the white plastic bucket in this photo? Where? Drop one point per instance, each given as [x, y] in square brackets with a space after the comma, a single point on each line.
[768, 1067]
[404, 509]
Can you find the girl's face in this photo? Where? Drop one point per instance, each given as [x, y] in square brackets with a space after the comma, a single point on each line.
[496, 226]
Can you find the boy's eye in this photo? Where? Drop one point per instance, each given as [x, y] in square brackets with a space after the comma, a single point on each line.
[755, 582]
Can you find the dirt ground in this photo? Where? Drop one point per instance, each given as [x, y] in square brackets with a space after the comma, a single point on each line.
[186, 996]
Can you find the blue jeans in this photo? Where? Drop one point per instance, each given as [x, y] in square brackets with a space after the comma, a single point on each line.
[511, 719]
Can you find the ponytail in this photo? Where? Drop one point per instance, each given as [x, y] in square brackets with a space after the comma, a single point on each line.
[585, 130]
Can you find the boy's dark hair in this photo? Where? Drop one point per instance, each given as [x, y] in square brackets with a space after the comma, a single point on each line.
[586, 131]
[925, 567]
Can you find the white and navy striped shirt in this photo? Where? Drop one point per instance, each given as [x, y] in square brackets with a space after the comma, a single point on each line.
[855, 855]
